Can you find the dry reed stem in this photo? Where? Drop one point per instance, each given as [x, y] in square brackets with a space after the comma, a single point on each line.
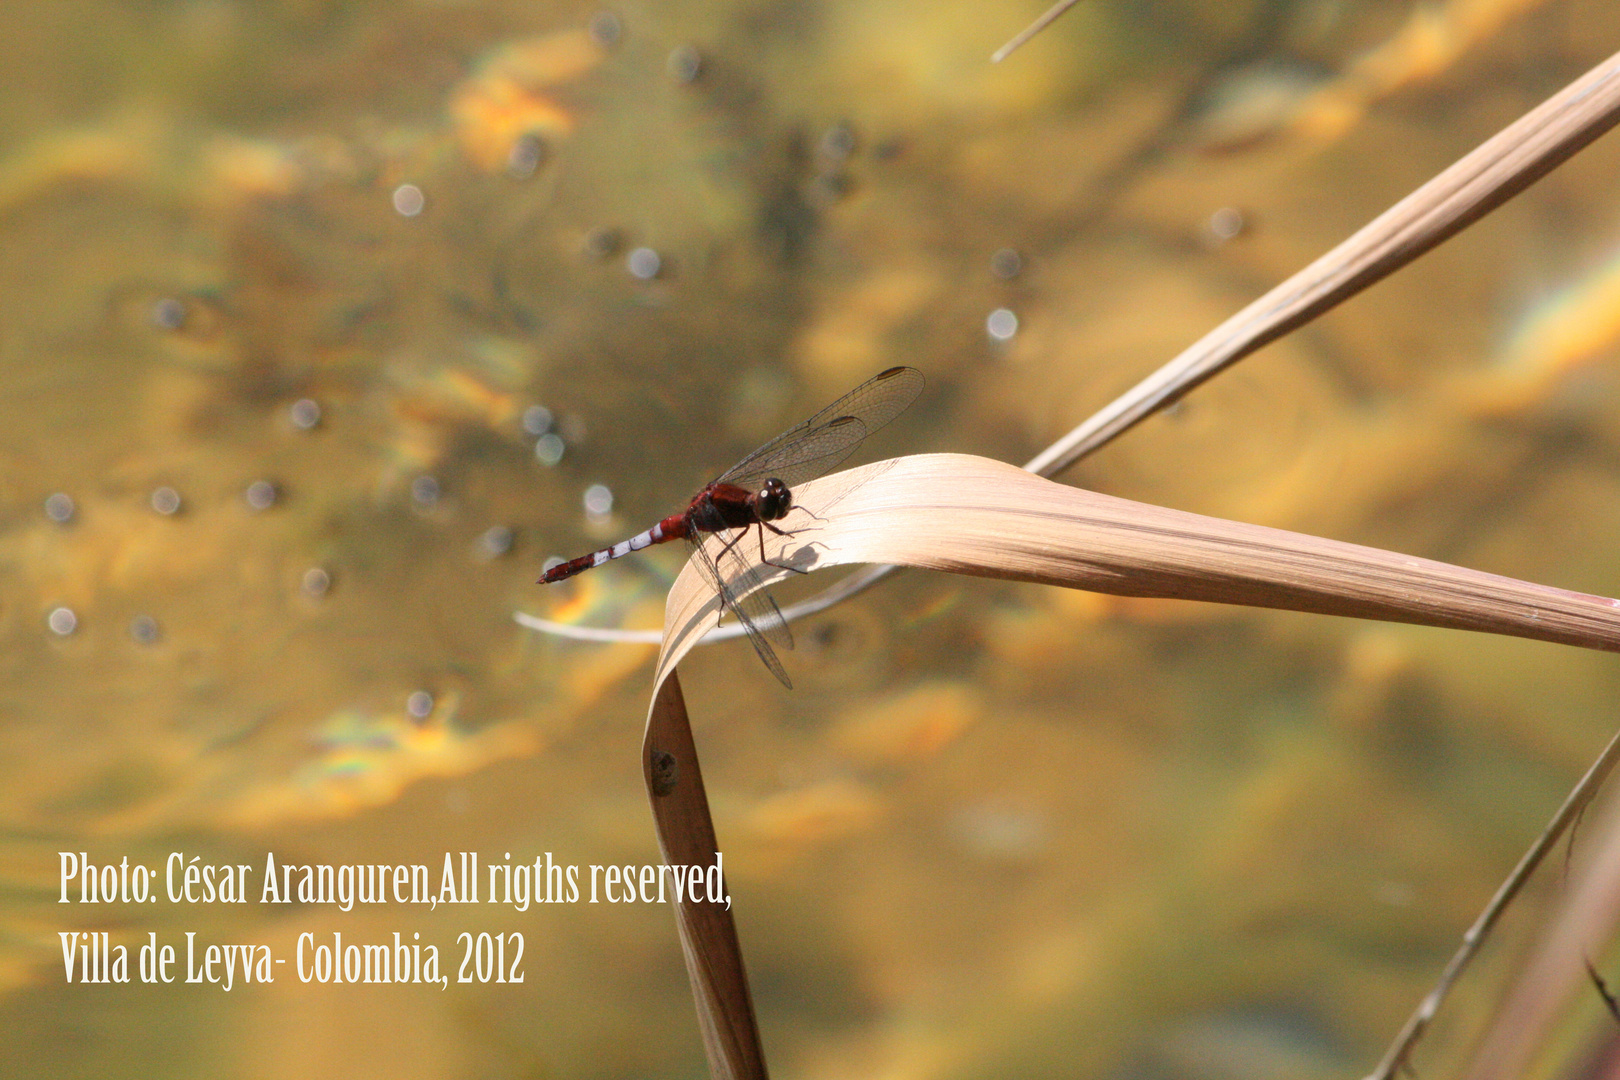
[1401, 1049]
[686, 837]
[1041, 23]
[1556, 971]
[1500, 168]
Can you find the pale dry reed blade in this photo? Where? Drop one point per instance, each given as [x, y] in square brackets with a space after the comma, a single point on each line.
[714, 963]
[972, 515]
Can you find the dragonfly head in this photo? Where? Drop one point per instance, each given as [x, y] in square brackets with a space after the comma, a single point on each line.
[773, 501]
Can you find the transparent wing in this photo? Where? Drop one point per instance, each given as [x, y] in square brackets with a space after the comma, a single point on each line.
[822, 442]
[815, 453]
[756, 612]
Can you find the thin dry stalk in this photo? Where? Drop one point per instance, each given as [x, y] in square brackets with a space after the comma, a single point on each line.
[1529, 1030]
[1499, 169]
[1046, 19]
[1401, 1050]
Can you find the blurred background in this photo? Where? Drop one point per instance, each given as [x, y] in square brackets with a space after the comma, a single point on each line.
[323, 325]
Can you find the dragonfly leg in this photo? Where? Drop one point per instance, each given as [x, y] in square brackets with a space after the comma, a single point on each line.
[735, 540]
[794, 532]
[780, 566]
[731, 543]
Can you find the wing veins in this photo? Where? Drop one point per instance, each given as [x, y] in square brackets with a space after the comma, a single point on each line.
[806, 448]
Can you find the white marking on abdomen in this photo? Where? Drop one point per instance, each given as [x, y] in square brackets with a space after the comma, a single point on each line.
[635, 543]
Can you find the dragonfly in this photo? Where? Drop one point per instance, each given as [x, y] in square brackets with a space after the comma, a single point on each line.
[757, 492]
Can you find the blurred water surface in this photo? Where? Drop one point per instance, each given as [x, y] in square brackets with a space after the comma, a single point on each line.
[318, 320]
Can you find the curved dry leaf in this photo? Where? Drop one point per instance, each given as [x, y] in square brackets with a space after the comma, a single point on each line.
[709, 946]
[972, 515]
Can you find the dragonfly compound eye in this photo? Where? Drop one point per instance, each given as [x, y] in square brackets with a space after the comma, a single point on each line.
[774, 500]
